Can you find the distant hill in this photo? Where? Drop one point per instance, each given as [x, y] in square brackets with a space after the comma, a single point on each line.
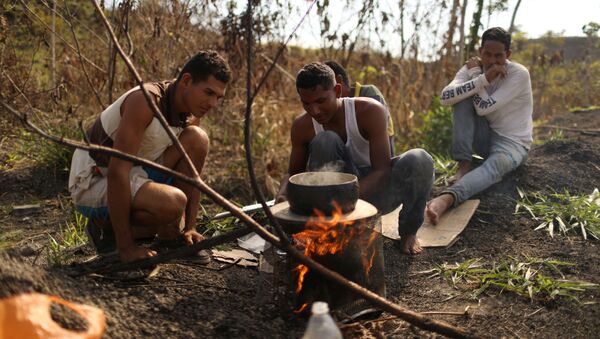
[573, 48]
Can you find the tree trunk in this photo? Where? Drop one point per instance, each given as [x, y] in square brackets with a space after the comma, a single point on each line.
[53, 44]
[451, 28]
[514, 15]
[474, 32]
[461, 45]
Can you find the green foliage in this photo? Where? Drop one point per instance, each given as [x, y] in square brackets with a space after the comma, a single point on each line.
[591, 29]
[537, 279]
[568, 213]
[69, 237]
[435, 132]
[444, 167]
[48, 153]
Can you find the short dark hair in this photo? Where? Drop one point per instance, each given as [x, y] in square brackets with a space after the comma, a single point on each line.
[314, 74]
[497, 34]
[338, 70]
[204, 64]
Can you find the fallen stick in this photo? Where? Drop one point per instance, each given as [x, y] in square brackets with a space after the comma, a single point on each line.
[177, 253]
[595, 131]
[465, 312]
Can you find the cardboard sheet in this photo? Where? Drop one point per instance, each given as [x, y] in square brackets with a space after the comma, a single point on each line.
[445, 233]
[242, 257]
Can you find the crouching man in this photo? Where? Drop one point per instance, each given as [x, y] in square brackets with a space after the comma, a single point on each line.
[124, 201]
[349, 135]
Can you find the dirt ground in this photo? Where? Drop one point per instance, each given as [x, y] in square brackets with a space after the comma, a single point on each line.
[187, 300]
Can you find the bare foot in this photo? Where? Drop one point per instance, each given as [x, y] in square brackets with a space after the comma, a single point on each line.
[409, 244]
[437, 207]
[463, 168]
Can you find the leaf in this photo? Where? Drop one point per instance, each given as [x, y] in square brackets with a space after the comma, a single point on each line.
[540, 226]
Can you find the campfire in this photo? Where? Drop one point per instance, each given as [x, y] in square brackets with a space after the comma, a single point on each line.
[348, 243]
[324, 236]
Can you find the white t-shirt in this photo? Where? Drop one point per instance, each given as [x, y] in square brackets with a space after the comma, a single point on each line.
[507, 103]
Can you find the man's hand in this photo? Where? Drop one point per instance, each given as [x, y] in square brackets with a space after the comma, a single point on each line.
[191, 237]
[473, 62]
[135, 253]
[494, 71]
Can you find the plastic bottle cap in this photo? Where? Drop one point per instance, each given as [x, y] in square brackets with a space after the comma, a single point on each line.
[319, 307]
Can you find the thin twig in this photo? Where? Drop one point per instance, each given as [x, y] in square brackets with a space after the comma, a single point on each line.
[87, 76]
[72, 17]
[60, 36]
[26, 99]
[594, 131]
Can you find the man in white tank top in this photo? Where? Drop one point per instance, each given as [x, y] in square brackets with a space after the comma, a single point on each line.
[123, 201]
[349, 135]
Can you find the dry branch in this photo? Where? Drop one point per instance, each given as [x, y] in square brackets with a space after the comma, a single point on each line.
[60, 37]
[594, 131]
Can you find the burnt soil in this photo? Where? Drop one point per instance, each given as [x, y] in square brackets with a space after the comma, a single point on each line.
[183, 299]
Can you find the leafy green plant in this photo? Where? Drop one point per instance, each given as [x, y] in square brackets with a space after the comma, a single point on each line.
[69, 237]
[536, 279]
[435, 132]
[563, 211]
[445, 167]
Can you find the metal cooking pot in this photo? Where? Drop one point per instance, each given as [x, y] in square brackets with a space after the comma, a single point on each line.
[318, 190]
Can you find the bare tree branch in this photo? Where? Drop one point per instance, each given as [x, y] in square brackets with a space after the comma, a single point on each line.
[87, 77]
[60, 37]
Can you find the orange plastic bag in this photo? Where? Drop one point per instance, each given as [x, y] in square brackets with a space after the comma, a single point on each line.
[28, 316]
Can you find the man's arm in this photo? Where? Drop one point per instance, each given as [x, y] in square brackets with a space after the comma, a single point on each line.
[300, 135]
[372, 125]
[135, 117]
[466, 83]
[515, 84]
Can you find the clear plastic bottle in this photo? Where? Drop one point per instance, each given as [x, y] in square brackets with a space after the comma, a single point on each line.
[321, 324]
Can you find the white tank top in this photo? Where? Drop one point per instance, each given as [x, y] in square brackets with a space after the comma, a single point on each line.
[154, 142]
[355, 143]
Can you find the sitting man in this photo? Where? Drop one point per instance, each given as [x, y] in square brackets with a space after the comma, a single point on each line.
[124, 201]
[349, 135]
[358, 90]
[493, 108]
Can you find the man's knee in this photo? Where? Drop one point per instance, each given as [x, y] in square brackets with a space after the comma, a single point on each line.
[416, 160]
[195, 141]
[465, 105]
[173, 206]
[326, 140]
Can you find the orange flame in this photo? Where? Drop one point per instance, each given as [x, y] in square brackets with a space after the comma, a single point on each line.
[301, 309]
[368, 263]
[329, 235]
[301, 271]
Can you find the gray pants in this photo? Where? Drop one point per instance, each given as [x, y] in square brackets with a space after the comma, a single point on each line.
[410, 182]
[471, 133]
